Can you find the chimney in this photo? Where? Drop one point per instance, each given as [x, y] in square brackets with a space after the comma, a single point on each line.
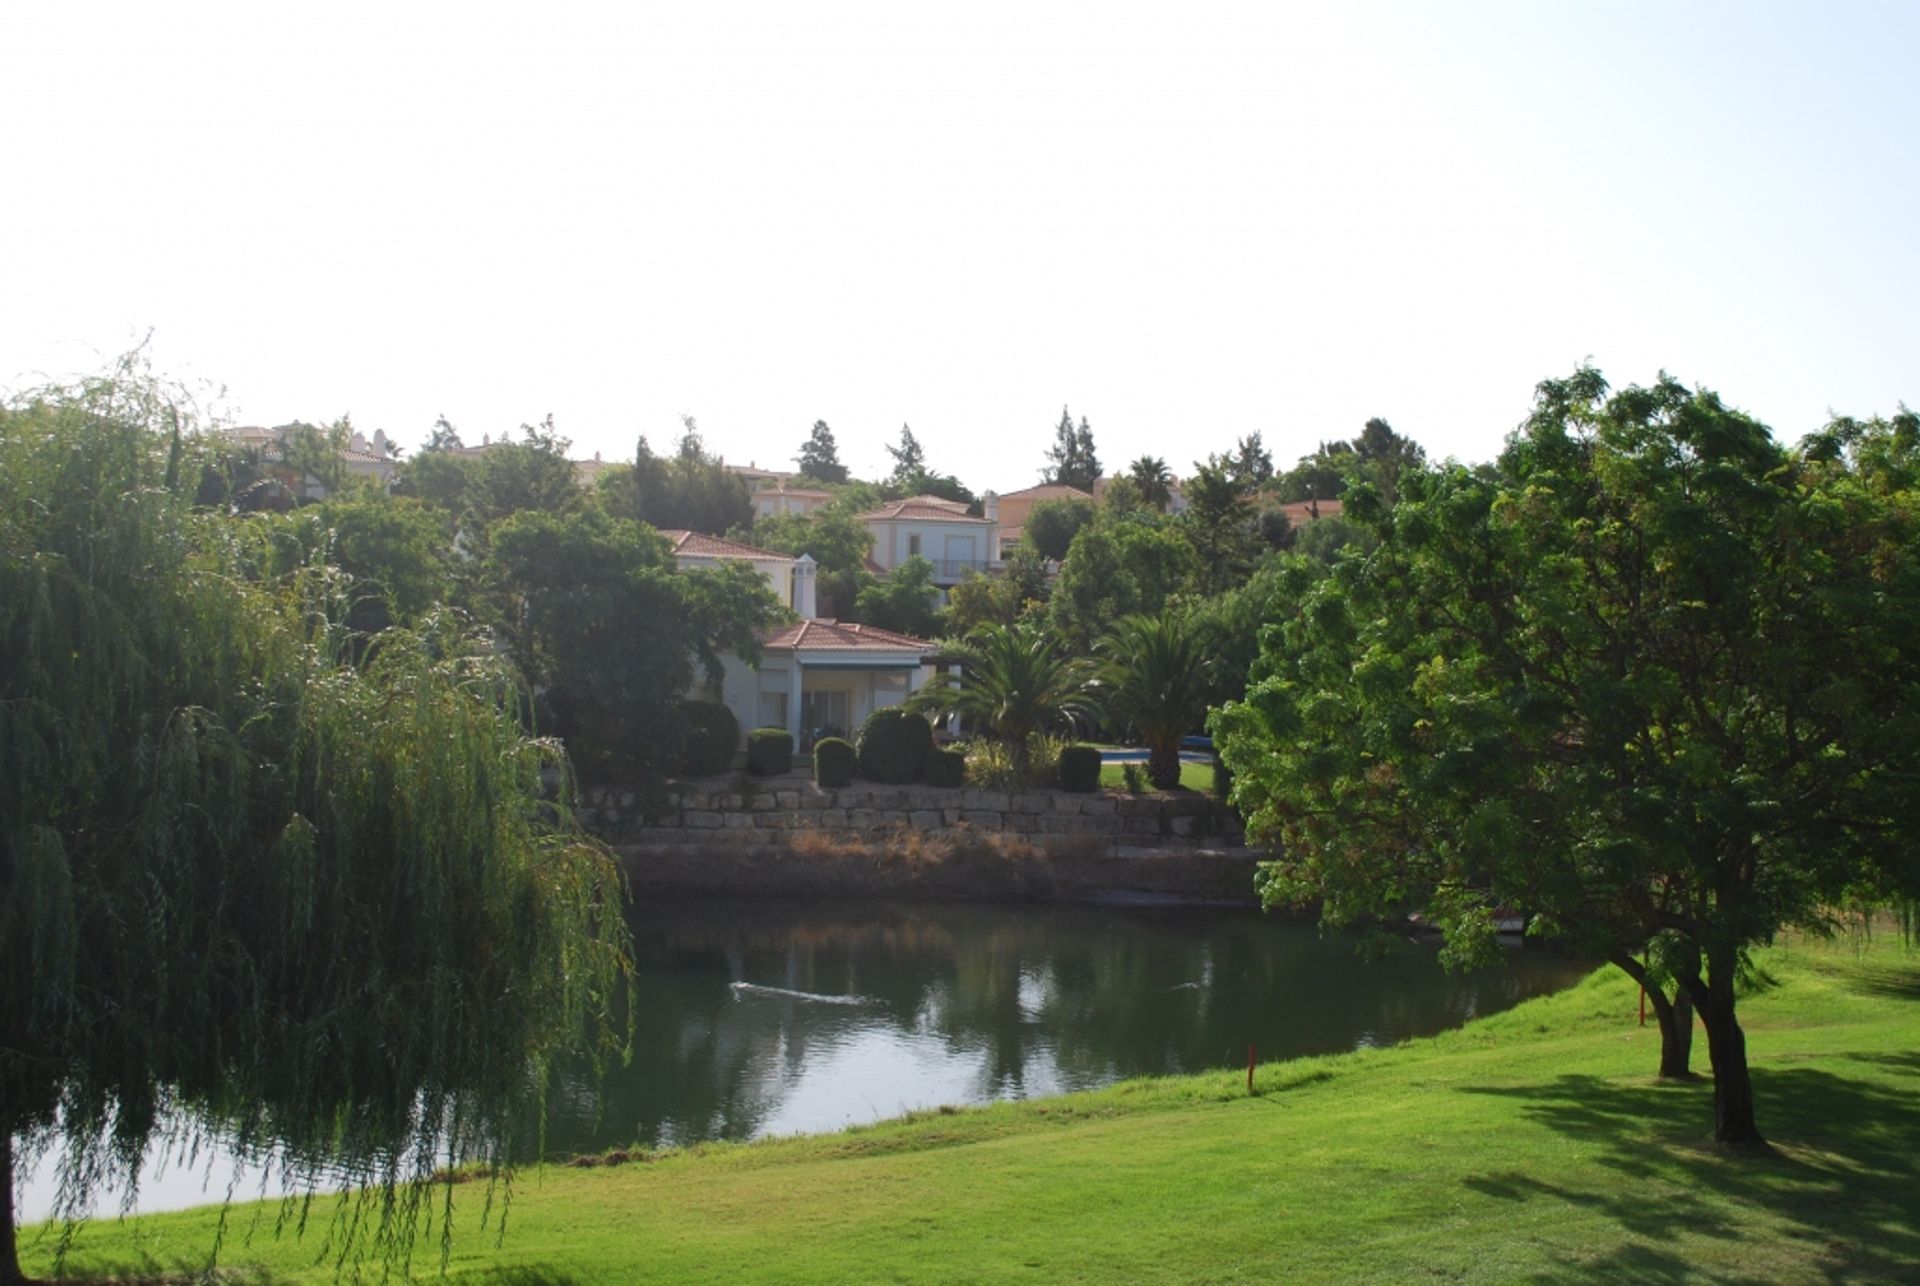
[990, 507]
[804, 603]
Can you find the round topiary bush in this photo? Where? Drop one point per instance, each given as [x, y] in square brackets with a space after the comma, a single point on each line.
[893, 746]
[832, 762]
[712, 735]
[769, 751]
[1079, 769]
[946, 767]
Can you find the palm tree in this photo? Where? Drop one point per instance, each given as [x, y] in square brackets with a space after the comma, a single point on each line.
[1016, 681]
[1155, 480]
[1156, 677]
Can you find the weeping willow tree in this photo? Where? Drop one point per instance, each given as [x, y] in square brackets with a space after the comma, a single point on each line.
[337, 918]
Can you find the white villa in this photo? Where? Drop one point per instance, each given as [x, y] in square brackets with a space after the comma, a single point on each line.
[940, 531]
[816, 677]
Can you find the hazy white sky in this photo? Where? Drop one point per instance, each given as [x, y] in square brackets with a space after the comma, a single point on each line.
[1187, 222]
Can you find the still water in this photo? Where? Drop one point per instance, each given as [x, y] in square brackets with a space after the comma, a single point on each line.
[770, 1017]
[760, 1018]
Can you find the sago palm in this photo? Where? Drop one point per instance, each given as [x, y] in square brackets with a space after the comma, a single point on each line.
[1156, 677]
[1015, 682]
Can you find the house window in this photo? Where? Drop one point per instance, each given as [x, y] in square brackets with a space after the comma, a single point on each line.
[773, 710]
[913, 545]
[826, 714]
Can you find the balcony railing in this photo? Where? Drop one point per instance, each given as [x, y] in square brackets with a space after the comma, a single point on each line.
[955, 568]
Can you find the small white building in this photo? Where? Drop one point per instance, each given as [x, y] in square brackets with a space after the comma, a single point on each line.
[777, 501]
[816, 677]
[820, 678]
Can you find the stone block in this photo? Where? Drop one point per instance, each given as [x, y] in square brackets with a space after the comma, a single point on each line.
[1066, 805]
[770, 821]
[1054, 824]
[863, 819]
[764, 802]
[787, 799]
[1022, 823]
[952, 816]
[832, 818]
[1183, 825]
[738, 821]
[812, 799]
[1098, 806]
[703, 820]
[927, 819]
[1032, 801]
[987, 819]
[895, 817]
[994, 799]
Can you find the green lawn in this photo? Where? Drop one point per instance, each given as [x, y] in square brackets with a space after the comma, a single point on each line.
[1196, 777]
[1531, 1146]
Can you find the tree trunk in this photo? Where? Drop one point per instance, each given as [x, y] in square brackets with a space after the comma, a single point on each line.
[1163, 766]
[1675, 1016]
[1733, 1123]
[9, 1249]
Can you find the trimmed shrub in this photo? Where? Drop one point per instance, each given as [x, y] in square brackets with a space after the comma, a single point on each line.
[769, 751]
[893, 746]
[832, 762]
[712, 735]
[1079, 769]
[946, 767]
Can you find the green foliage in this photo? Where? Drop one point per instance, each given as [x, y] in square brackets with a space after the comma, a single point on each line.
[712, 734]
[1221, 525]
[1157, 680]
[1078, 770]
[946, 768]
[1052, 524]
[1133, 779]
[1118, 567]
[689, 490]
[906, 601]
[769, 752]
[837, 542]
[909, 460]
[1155, 481]
[1015, 682]
[1071, 461]
[247, 890]
[1652, 676]
[819, 458]
[833, 760]
[978, 600]
[990, 764]
[893, 746]
[393, 550]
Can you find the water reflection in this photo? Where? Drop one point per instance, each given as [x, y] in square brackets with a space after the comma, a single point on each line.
[761, 1017]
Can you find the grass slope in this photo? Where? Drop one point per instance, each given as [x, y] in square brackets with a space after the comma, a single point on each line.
[1194, 777]
[1535, 1145]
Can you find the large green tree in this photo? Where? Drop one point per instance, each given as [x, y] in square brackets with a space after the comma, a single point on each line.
[1652, 681]
[906, 600]
[1071, 460]
[819, 457]
[690, 490]
[331, 914]
[1118, 567]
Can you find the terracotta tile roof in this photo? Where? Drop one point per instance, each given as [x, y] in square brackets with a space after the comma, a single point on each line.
[693, 544]
[1048, 491]
[828, 635]
[921, 509]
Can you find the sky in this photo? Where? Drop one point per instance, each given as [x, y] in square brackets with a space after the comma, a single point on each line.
[1186, 223]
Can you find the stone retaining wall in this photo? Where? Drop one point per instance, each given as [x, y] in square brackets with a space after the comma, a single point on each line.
[762, 811]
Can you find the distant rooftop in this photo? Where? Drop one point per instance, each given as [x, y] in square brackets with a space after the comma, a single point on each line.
[923, 508]
[694, 544]
[830, 635]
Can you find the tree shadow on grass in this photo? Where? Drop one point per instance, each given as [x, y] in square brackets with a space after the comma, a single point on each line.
[1844, 1184]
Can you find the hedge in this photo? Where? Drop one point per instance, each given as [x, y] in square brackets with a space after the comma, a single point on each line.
[769, 751]
[712, 735]
[946, 767]
[832, 762]
[1079, 769]
[893, 746]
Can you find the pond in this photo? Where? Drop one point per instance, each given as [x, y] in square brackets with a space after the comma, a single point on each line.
[759, 1017]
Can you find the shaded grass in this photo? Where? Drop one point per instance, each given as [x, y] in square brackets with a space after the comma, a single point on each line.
[1535, 1145]
[1194, 777]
